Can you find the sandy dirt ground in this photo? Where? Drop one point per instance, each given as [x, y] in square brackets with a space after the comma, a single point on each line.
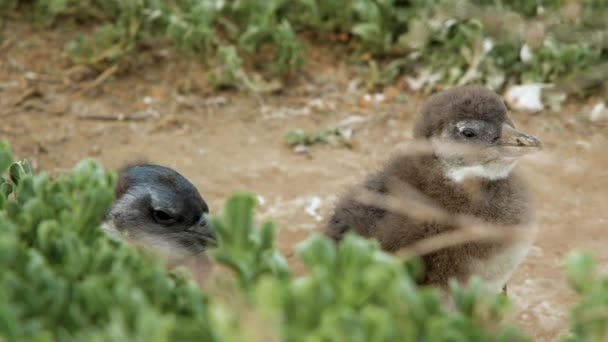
[55, 114]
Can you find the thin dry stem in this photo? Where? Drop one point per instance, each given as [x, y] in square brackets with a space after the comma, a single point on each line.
[99, 80]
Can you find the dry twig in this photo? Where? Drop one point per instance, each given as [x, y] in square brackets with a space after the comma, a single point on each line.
[135, 116]
[99, 80]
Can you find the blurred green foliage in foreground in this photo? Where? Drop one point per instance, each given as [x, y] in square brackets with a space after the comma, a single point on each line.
[441, 42]
[62, 279]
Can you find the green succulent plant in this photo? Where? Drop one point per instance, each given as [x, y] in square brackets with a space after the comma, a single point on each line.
[443, 42]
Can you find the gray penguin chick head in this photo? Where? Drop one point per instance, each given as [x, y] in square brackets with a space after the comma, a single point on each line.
[160, 209]
[472, 133]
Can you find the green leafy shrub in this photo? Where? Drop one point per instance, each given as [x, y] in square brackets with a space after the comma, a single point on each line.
[527, 8]
[589, 317]
[230, 72]
[358, 293]
[194, 26]
[441, 42]
[61, 279]
[249, 252]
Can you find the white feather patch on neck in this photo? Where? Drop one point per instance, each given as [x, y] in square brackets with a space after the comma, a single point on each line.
[152, 242]
[494, 170]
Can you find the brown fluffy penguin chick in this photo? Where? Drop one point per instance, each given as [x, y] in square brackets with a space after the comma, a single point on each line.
[474, 182]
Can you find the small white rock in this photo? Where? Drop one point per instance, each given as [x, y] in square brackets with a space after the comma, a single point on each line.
[487, 45]
[261, 200]
[31, 76]
[317, 104]
[599, 112]
[379, 97]
[346, 133]
[425, 77]
[313, 206]
[525, 54]
[414, 83]
[300, 149]
[376, 98]
[525, 97]
[148, 100]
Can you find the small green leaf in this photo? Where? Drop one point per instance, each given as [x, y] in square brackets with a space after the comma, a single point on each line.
[414, 267]
[6, 189]
[6, 158]
[25, 190]
[15, 172]
[579, 267]
[27, 167]
[318, 251]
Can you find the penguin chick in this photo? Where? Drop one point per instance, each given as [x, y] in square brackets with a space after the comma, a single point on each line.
[444, 177]
[158, 208]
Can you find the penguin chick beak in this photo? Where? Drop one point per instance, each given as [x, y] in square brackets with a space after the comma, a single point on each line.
[204, 231]
[518, 142]
[203, 224]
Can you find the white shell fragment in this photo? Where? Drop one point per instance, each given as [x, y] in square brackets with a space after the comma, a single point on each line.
[300, 149]
[375, 98]
[525, 97]
[312, 207]
[599, 112]
[487, 45]
[525, 54]
[261, 200]
[424, 78]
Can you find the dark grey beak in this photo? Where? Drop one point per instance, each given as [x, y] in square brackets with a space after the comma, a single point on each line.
[204, 220]
[515, 139]
[205, 228]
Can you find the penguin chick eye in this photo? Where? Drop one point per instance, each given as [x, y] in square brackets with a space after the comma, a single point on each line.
[162, 217]
[468, 133]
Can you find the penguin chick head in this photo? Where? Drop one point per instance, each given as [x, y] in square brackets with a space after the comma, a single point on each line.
[471, 133]
[160, 209]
